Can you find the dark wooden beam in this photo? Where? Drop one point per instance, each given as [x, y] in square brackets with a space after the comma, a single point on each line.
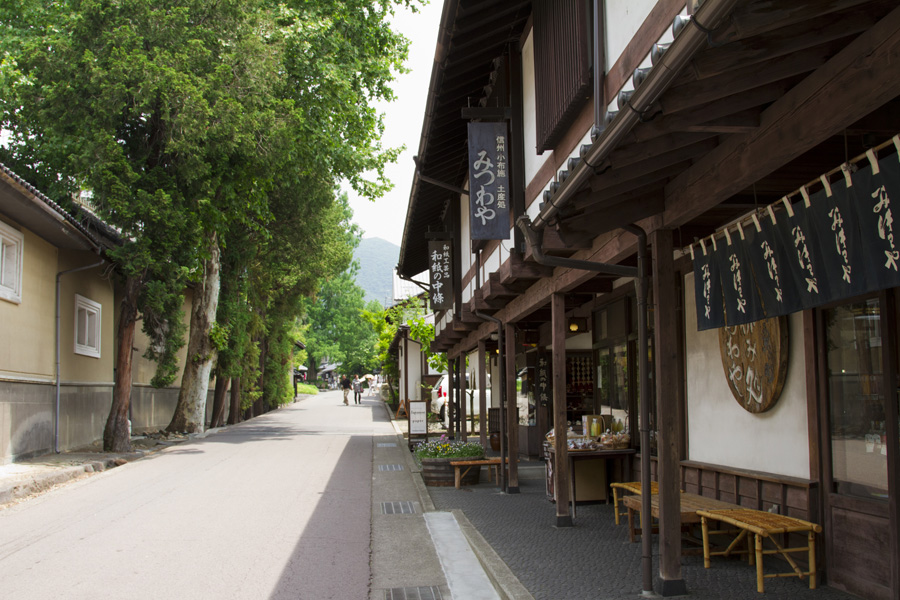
[611, 216]
[493, 289]
[855, 82]
[783, 39]
[516, 269]
[758, 18]
[743, 122]
[639, 170]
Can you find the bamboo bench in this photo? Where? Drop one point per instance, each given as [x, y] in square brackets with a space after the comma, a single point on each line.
[461, 467]
[629, 486]
[763, 525]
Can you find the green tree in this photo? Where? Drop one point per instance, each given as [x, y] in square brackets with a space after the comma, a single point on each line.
[338, 329]
[186, 121]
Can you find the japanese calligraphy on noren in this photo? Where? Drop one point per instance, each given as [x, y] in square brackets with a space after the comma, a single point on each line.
[488, 182]
[837, 243]
[755, 359]
[439, 257]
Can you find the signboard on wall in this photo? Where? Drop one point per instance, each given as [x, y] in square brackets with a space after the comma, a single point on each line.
[418, 418]
[439, 257]
[488, 181]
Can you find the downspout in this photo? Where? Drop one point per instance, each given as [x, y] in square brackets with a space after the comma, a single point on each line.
[502, 358]
[639, 274]
[644, 370]
[58, 277]
[692, 37]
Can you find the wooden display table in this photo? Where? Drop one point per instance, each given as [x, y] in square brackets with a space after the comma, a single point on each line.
[588, 478]
[763, 525]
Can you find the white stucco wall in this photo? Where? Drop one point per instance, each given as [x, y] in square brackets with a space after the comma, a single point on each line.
[412, 378]
[533, 160]
[720, 431]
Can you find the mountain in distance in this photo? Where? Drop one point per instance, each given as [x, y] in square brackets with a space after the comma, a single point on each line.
[377, 259]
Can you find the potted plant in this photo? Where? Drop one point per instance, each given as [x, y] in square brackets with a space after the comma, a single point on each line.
[435, 457]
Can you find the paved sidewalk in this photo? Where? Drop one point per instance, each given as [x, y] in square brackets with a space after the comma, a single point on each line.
[511, 539]
[594, 559]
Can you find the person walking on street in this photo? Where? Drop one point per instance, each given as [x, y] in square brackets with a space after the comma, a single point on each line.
[357, 389]
[345, 385]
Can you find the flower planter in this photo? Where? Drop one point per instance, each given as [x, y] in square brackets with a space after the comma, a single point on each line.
[438, 472]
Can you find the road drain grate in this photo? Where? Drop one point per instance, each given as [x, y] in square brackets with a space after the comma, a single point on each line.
[387, 445]
[398, 508]
[390, 467]
[414, 593]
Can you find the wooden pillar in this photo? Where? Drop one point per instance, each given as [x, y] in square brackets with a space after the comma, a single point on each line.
[512, 415]
[561, 468]
[482, 394]
[463, 398]
[665, 352]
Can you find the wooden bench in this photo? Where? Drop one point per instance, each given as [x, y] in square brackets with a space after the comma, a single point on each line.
[763, 525]
[629, 486]
[461, 467]
[690, 504]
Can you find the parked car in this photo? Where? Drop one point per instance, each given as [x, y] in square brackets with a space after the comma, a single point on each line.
[439, 396]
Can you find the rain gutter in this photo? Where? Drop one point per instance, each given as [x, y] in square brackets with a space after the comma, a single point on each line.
[692, 38]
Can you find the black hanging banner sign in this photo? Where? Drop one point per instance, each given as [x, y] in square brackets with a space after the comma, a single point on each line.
[769, 263]
[708, 290]
[872, 195]
[439, 257]
[488, 182]
[742, 302]
[831, 216]
[804, 260]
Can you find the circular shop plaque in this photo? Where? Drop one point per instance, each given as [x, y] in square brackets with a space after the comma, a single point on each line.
[755, 358]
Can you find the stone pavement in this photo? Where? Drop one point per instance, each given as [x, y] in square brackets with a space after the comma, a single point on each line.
[594, 559]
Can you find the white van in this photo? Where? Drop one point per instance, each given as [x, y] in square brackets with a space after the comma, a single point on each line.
[441, 389]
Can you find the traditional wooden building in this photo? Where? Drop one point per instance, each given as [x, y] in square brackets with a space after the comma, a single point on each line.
[699, 192]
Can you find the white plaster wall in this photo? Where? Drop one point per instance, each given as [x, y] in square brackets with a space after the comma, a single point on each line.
[533, 160]
[623, 18]
[412, 378]
[720, 431]
[582, 341]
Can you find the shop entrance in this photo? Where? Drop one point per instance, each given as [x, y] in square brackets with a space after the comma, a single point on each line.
[859, 417]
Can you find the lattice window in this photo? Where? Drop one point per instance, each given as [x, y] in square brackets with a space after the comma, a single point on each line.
[562, 65]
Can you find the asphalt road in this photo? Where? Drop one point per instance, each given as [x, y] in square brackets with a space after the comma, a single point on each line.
[277, 507]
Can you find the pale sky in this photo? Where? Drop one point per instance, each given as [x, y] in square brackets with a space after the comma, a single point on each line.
[385, 217]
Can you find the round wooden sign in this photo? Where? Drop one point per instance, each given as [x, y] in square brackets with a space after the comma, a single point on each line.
[755, 358]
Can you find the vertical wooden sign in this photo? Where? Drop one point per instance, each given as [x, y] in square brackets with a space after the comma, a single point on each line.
[488, 182]
[439, 257]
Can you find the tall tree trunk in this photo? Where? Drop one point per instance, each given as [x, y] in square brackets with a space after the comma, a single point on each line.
[234, 413]
[218, 411]
[115, 434]
[190, 412]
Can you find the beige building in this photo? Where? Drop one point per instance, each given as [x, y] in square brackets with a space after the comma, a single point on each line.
[57, 331]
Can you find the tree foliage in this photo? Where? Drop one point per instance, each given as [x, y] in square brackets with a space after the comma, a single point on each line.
[205, 130]
[339, 331]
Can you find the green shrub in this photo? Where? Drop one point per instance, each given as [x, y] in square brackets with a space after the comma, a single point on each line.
[306, 388]
[445, 448]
